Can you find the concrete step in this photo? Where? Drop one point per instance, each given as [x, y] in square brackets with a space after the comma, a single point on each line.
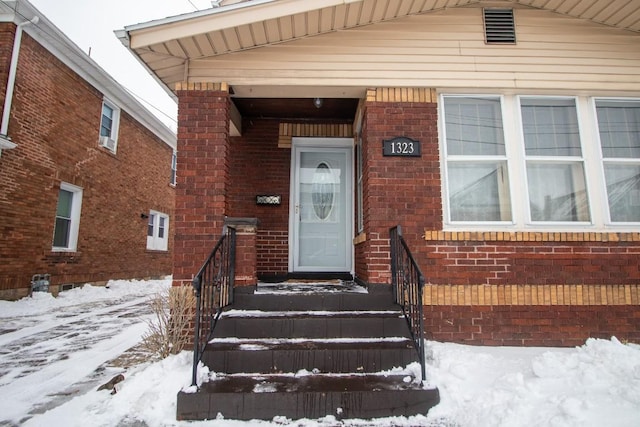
[311, 324]
[246, 397]
[308, 351]
[302, 297]
[367, 355]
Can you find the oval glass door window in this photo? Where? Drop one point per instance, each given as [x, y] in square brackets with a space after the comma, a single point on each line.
[322, 191]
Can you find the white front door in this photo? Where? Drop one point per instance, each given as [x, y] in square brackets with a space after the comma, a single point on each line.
[321, 205]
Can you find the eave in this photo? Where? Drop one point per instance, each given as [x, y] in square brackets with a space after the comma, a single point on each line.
[167, 46]
[189, 48]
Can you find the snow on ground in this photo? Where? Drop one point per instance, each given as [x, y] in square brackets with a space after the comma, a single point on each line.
[596, 384]
[54, 348]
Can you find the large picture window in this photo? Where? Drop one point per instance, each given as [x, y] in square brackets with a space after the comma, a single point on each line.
[619, 130]
[476, 160]
[555, 171]
[535, 162]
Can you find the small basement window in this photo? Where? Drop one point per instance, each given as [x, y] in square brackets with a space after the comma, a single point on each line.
[499, 26]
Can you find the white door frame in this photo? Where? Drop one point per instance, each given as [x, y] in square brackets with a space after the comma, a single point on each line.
[298, 144]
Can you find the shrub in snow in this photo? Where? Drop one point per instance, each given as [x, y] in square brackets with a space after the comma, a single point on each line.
[168, 329]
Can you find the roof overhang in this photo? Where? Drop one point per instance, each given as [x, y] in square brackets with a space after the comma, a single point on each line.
[170, 48]
[56, 42]
[166, 46]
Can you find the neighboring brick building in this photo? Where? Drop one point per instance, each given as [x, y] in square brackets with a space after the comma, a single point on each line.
[84, 167]
[523, 204]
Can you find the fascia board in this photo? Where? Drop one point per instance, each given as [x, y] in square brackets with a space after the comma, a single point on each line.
[123, 36]
[160, 31]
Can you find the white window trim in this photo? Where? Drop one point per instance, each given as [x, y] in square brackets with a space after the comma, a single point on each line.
[552, 159]
[592, 159]
[174, 168]
[482, 158]
[76, 209]
[155, 243]
[359, 186]
[110, 143]
[599, 155]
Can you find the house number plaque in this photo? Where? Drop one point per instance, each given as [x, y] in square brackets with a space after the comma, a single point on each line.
[401, 146]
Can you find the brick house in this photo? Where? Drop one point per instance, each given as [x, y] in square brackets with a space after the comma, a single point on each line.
[86, 191]
[503, 136]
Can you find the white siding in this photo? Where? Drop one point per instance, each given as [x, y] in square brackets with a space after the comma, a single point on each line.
[445, 50]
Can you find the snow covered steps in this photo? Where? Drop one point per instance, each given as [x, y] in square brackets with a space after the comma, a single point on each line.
[308, 355]
[312, 324]
[336, 355]
[264, 397]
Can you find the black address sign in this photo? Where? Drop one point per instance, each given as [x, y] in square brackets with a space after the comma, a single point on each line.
[401, 146]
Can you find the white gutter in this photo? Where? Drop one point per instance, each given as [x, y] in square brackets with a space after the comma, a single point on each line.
[5, 141]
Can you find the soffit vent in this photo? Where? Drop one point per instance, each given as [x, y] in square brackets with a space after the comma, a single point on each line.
[499, 26]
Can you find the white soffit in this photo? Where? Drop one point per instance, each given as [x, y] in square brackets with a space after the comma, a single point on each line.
[165, 46]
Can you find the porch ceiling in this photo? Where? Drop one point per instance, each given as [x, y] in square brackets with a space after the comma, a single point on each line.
[332, 109]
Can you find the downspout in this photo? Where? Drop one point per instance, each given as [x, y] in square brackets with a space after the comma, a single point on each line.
[5, 141]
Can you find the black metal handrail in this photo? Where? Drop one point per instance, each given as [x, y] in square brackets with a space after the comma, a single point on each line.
[213, 286]
[408, 282]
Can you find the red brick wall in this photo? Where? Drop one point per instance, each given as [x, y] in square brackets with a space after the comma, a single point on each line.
[55, 122]
[489, 261]
[273, 250]
[245, 273]
[203, 178]
[407, 191]
[397, 190]
[7, 32]
[540, 325]
[259, 167]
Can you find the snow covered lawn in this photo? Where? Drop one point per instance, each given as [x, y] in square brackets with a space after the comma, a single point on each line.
[597, 384]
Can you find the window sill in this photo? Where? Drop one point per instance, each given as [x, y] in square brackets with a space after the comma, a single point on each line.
[63, 256]
[64, 252]
[533, 236]
[108, 151]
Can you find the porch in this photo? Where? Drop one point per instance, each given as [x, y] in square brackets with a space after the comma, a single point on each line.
[309, 354]
[308, 349]
[257, 179]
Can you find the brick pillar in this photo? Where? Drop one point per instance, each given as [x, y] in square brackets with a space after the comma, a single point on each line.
[202, 176]
[246, 254]
[397, 190]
